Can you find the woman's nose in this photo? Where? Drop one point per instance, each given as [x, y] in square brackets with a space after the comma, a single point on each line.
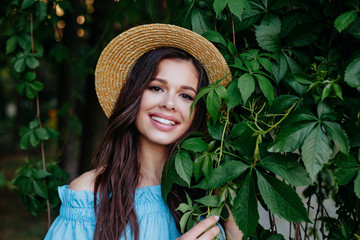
[169, 102]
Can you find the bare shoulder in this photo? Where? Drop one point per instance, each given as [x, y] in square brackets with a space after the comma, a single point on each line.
[85, 182]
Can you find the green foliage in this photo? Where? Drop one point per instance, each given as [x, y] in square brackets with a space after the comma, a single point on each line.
[289, 117]
[35, 186]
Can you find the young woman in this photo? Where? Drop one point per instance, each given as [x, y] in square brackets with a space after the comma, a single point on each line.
[146, 80]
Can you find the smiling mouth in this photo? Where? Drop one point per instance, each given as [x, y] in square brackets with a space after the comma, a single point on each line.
[163, 121]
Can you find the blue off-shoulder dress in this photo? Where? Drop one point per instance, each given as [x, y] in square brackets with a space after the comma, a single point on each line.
[77, 217]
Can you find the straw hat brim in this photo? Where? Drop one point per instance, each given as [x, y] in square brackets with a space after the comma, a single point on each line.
[124, 50]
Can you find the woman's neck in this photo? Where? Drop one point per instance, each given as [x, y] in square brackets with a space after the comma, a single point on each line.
[152, 159]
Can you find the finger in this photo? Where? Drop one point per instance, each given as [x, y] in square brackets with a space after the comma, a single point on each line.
[211, 233]
[201, 227]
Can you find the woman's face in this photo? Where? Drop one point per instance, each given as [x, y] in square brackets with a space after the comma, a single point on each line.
[164, 113]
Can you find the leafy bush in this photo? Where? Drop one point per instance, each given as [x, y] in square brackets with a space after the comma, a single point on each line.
[289, 118]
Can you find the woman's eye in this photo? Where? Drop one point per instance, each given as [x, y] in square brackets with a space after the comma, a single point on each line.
[187, 97]
[155, 88]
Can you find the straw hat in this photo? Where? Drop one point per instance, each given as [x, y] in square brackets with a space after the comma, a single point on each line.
[122, 52]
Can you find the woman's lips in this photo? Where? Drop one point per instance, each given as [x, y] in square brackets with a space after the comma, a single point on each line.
[163, 122]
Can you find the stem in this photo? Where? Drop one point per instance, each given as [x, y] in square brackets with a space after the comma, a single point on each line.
[234, 155]
[308, 211]
[271, 223]
[297, 231]
[233, 28]
[31, 33]
[283, 118]
[192, 5]
[223, 136]
[40, 124]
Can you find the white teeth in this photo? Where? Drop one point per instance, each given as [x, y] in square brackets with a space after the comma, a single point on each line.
[163, 121]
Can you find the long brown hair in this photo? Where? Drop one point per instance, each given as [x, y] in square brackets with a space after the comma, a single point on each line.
[117, 157]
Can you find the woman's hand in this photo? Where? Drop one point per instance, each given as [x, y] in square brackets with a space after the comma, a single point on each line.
[201, 230]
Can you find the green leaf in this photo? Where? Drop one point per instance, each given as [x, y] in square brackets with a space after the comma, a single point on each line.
[267, 37]
[281, 199]
[11, 44]
[221, 92]
[246, 85]
[352, 74]
[218, 6]
[245, 209]
[40, 174]
[41, 10]
[26, 3]
[183, 221]
[357, 185]
[302, 78]
[214, 36]
[288, 168]
[291, 137]
[315, 151]
[283, 102]
[266, 64]
[20, 65]
[150, 8]
[282, 66]
[34, 124]
[32, 62]
[29, 76]
[338, 90]
[354, 28]
[30, 93]
[344, 20]
[303, 35]
[210, 201]
[222, 174]
[24, 41]
[207, 166]
[199, 22]
[238, 130]
[196, 145]
[245, 144]
[203, 91]
[40, 189]
[197, 166]
[215, 130]
[41, 133]
[338, 135]
[36, 85]
[323, 110]
[236, 7]
[184, 166]
[20, 88]
[293, 65]
[326, 91]
[34, 141]
[183, 207]
[234, 94]
[266, 87]
[213, 102]
[346, 168]
[25, 140]
[232, 48]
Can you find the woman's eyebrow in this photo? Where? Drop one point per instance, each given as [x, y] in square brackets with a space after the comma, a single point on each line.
[182, 86]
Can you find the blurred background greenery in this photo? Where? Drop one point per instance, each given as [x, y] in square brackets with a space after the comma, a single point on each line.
[68, 38]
